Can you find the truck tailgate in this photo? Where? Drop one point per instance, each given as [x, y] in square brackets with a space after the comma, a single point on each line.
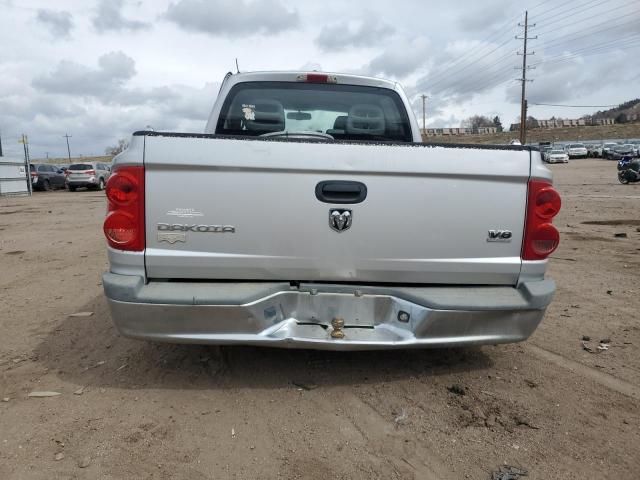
[426, 217]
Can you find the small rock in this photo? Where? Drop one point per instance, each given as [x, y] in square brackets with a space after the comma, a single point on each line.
[58, 456]
[457, 389]
[43, 394]
[586, 338]
[80, 391]
[478, 413]
[520, 420]
[530, 383]
[490, 422]
[620, 235]
[605, 340]
[5, 399]
[609, 292]
[84, 462]
[81, 314]
[305, 385]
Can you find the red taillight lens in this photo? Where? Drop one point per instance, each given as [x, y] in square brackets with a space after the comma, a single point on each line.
[541, 238]
[547, 203]
[122, 188]
[317, 78]
[544, 239]
[120, 228]
[124, 225]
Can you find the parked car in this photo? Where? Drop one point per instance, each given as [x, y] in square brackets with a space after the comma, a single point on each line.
[557, 156]
[606, 148]
[632, 147]
[46, 177]
[92, 175]
[63, 166]
[636, 146]
[620, 151]
[594, 150]
[576, 150]
[269, 230]
[544, 151]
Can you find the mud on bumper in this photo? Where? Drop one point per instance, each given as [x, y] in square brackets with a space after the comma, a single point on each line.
[279, 315]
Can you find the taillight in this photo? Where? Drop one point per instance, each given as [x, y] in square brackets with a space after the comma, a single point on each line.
[124, 225]
[541, 238]
[90, 172]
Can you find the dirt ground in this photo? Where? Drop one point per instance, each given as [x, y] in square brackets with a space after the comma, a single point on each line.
[129, 410]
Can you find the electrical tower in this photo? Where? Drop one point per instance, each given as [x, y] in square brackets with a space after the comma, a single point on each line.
[523, 80]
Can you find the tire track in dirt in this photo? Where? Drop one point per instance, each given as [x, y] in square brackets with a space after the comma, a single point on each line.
[604, 379]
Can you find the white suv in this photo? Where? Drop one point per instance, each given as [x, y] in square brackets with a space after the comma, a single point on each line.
[92, 175]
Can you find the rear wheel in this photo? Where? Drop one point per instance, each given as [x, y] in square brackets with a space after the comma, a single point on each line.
[101, 184]
[46, 186]
[622, 178]
[71, 189]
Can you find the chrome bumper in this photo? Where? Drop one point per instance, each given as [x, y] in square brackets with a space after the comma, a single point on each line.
[278, 315]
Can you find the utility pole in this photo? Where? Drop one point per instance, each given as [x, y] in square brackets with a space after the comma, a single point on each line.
[25, 143]
[523, 101]
[424, 117]
[0, 145]
[67, 136]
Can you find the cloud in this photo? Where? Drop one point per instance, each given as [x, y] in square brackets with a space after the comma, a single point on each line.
[72, 78]
[365, 33]
[486, 15]
[109, 18]
[232, 17]
[59, 23]
[400, 59]
[573, 78]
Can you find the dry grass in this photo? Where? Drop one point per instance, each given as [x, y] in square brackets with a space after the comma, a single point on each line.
[65, 160]
[620, 131]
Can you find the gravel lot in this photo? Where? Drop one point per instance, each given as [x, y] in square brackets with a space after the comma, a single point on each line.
[128, 409]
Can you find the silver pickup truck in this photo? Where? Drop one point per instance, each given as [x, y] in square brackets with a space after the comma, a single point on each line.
[311, 215]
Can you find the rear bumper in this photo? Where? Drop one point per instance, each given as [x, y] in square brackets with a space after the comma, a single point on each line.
[89, 182]
[278, 315]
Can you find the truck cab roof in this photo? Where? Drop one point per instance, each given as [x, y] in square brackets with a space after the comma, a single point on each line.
[296, 76]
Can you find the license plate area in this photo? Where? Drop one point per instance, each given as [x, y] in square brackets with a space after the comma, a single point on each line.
[322, 308]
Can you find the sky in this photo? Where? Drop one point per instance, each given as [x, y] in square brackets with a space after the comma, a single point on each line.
[99, 70]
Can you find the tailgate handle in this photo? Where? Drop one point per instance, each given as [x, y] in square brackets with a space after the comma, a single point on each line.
[341, 191]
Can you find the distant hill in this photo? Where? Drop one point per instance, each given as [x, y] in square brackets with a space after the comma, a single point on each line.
[587, 133]
[627, 111]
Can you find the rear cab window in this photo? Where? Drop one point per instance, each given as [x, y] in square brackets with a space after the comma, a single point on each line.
[346, 112]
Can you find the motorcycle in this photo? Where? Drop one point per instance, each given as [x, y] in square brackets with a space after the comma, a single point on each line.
[628, 170]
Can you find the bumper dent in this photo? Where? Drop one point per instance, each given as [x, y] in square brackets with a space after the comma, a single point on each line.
[275, 314]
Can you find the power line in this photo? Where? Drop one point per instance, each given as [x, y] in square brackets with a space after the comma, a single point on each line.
[458, 71]
[596, 49]
[571, 11]
[453, 65]
[554, 41]
[575, 106]
[582, 20]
